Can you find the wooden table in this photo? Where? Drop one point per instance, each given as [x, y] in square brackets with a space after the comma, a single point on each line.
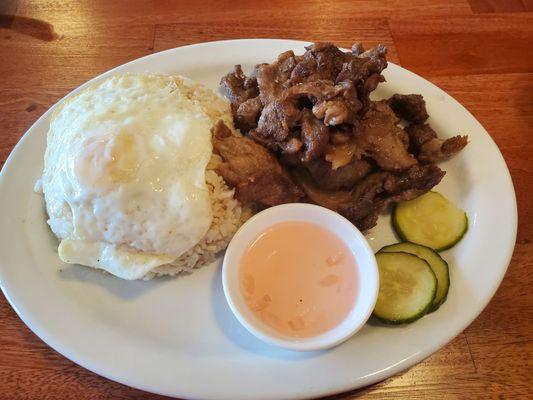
[479, 51]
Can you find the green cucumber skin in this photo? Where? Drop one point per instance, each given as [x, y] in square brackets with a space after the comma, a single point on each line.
[422, 312]
[459, 238]
[396, 226]
[433, 307]
[403, 321]
[404, 237]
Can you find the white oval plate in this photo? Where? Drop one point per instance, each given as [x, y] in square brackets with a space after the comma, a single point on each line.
[177, 336]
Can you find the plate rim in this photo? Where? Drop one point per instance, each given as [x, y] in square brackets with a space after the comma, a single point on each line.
[355, 383]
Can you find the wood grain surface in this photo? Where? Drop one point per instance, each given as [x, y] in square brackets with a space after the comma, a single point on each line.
[479, 51]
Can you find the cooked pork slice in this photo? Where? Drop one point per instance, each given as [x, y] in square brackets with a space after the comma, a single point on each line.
[366, 201]
[313, 115]
[280, 116]
[320, 61]
[378, 55]
[314, 135]
[357, 49]
[315, 91]
[341, 134]
[412, 183]
[383, 106]
[418, 135]
[238, 87]
[324, 61]
[369, 85]
[343, 147]
[411, 107]
[341, 154]
[247, 114]
[241, 92]
[333, 112]
[275, 123]
[341, 178]
[331, 199]
[272, 78]
[341, 109]
[382, 140]
[372, 194]
[252, 170]
[360, 66]
[424, 143]
[439, 150]
[335, 104]
[363, 69]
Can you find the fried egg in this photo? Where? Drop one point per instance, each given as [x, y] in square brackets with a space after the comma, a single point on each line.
[124, 174]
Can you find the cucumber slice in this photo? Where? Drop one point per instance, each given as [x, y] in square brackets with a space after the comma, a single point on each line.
[430, 220]
[407, 287]
[435, 261]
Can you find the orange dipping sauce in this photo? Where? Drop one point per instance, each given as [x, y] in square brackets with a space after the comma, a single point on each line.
[299, 278]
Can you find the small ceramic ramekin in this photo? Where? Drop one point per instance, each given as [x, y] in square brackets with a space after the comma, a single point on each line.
[365, 263]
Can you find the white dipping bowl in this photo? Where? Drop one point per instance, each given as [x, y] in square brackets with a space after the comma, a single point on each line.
[365, 263]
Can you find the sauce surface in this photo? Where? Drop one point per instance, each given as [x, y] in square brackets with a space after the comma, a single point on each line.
[299, 278]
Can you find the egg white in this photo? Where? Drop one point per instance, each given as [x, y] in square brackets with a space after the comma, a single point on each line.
[124, 174]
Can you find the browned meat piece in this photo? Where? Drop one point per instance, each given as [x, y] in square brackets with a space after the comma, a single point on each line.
[238, 87]
[255, 174]
[343, 177]
[275, 123]
[315, 136]
[375, 192]
[378, 55]
[372, 194]
[438, 149]
[329, 58]
[411, 107]
[273, 120]
[331, 199]
[383, 106]
[424, 143]
[345, 151]
[342, 148]
[355, 70]
[240, 90]
[290, 160]
[336, 104]
[412, 183]
[272, 78]
[418, 135]
[369, 85]
[315, 91]
[341, 134]
[247, 114]
[289, 148]
[363, 69]
[383, 141]
[365, 204]
[280, 116]
[362, 65]
[342, 154]
[333, 112]
[357, 49]
[345, 107]
[320, 61]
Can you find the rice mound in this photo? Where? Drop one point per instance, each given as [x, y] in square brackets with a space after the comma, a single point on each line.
[228, 213]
